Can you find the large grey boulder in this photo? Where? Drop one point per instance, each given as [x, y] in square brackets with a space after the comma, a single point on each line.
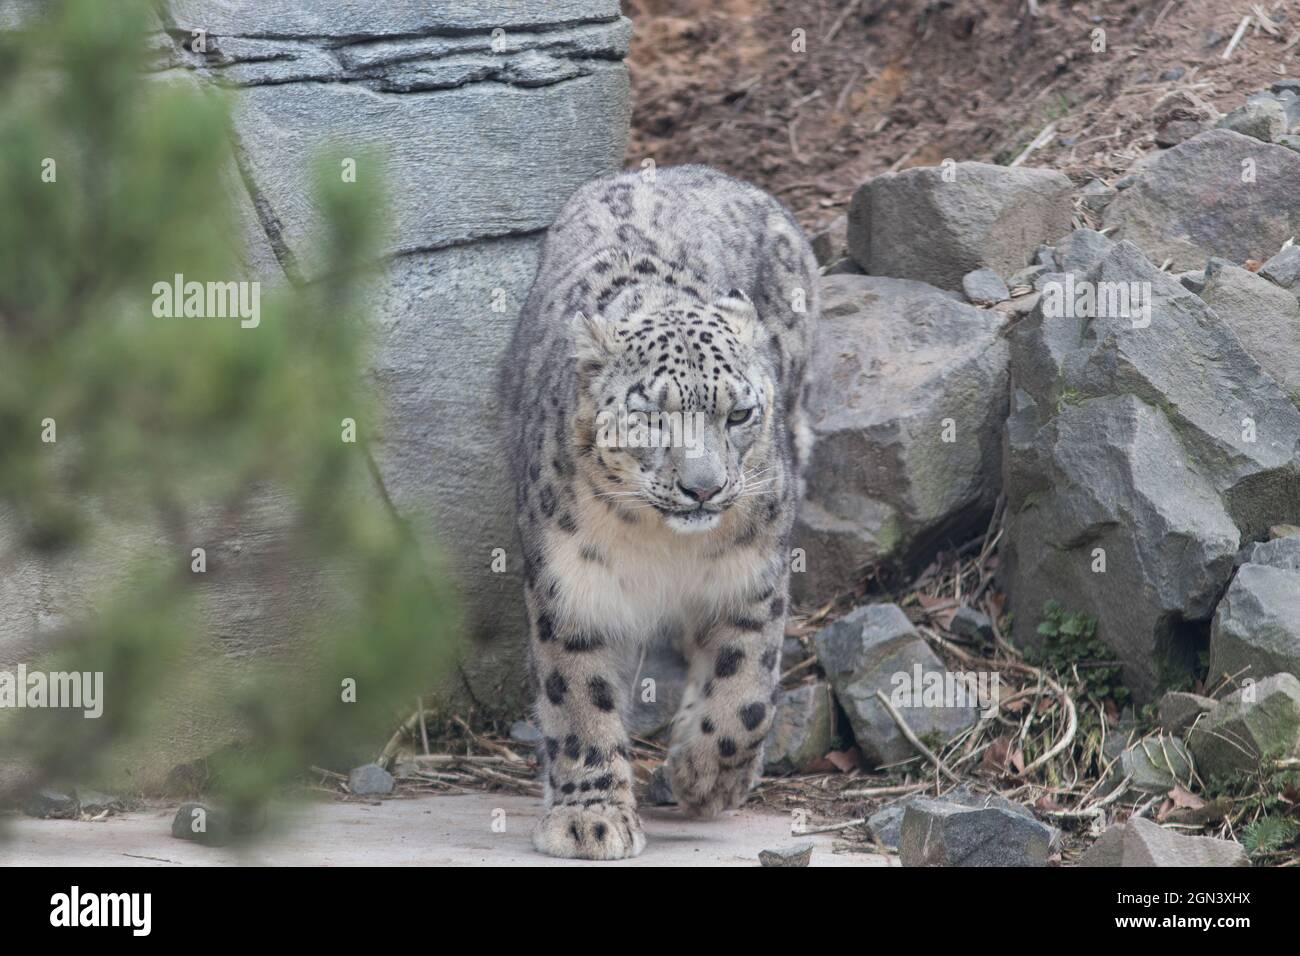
[1107, 481]
[1140, 842]
[1256, 628]
[935, 833]
[907, 400]
[1141, 449]
[1259, 721]
[875, 648]
[1217, 194]
[937, 223]
[1264, 317]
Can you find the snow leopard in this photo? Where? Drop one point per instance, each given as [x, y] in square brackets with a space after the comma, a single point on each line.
[661, 296]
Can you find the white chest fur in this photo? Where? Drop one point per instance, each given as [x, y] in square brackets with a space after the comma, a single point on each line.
[634, 578]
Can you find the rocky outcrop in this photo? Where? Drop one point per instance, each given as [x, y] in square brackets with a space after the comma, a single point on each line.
[1144, 445]
[937, 223]
[1217, 194]
[906, 404]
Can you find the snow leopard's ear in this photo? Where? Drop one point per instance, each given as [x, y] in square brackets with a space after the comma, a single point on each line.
[740, 315]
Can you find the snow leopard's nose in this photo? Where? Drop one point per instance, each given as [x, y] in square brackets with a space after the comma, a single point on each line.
[700, 494]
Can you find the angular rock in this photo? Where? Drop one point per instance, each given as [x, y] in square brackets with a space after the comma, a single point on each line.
[916, 225]
[1156, 764]
[1260, 720]
[886, 824]
[370, 780]
[1178, 710]
[1190, 203]
[876, 648]
[50, 804]
[984, 287]
[944, 834]
[1265, 318]
[1262, 119]
[972, 624]
[798, 854]
[1097, 195]
[906, 403]
[1282, 552]
[1082, 249]
[1284, 269]
[1139, 842]
[1148, 443]
[1110, 474]
[1256, 629]
[209, 826]
[802, 729]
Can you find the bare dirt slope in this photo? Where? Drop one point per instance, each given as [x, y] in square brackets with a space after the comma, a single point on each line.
[887, 84]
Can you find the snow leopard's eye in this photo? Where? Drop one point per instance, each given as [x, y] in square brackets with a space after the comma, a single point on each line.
[739, 416]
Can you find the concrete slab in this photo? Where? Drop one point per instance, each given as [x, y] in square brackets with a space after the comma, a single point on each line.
[417, 831]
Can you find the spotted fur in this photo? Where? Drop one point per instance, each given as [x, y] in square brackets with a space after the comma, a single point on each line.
[687, 292]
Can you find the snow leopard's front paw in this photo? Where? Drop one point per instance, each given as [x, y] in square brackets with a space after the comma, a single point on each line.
[709, 775]
[603, 831]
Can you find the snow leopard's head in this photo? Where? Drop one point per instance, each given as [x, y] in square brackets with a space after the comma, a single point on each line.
[678, 401]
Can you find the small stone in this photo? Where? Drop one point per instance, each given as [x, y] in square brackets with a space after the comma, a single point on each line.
[798, 854]
[935, 833]
[1156, 764]
[659, 791]
[1284, 268]
[1139, 842]
[522, 731]
[197, 823]
[1263, 718]
[1096, 195]
[1082, 249]
[1172, 74]
[1177, 710]
[370, 780]
[50, 804]
[984, 287]
[970, 623]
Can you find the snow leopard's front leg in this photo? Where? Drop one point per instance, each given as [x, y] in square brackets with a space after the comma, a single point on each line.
[717, 746]
[590, 810]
